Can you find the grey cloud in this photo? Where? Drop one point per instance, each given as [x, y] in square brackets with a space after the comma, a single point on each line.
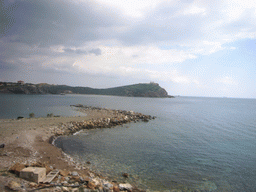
[245, 23]
[96, 51]
[77, 51]
[4, 66]
[83, 52]
[7, 17]
[56, 22]
[163, 24]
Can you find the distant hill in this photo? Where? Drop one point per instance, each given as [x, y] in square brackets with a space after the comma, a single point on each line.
[136, 90]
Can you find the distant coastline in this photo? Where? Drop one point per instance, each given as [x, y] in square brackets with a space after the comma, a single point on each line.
[136, 90]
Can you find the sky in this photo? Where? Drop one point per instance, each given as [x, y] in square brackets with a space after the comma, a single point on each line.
[191, 48]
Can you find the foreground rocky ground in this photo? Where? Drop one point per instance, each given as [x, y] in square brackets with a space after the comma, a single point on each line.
[28, 142]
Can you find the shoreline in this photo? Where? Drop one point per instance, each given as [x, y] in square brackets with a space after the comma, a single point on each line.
[28, 141]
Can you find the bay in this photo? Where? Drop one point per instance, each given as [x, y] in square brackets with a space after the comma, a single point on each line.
[206, 144]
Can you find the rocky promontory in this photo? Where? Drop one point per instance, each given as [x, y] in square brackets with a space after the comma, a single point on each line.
[137, 90]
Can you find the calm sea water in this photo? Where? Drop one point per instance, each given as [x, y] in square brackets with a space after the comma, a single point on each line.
[207, 144]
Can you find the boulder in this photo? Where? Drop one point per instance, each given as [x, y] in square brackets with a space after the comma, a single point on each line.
[57, 189]
[13, 185]
[126, 175]
[17, 168]
[32, 184]
[91, 185]
[96, 181]
[125, 186]
[116, 188]
[75, 179]
[74, 173]
[87, 190]
[64, 189]
[85, 178]
[108, 185]
[76, 190]
[64, 173]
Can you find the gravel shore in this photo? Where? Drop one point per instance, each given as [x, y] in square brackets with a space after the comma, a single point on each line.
[27, 142]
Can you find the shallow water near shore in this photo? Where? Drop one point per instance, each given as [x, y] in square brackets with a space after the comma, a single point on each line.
[194, 143]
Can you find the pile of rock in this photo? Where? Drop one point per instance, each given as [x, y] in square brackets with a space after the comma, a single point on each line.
[69, 181]
[117, 117]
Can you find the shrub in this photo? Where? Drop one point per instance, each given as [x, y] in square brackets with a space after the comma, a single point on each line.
[50, 115]
[31, 115]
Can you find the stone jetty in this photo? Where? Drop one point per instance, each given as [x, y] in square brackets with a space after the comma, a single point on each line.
[115, 118]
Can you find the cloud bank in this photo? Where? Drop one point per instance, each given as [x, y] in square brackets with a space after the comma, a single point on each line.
[136, 40]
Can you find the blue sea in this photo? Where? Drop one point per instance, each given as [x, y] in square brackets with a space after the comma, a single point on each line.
[195, 143]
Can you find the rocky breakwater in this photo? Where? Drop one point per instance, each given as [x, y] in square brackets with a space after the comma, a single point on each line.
[111, 118]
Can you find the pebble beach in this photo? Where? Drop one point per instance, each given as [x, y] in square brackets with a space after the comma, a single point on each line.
[30, 142]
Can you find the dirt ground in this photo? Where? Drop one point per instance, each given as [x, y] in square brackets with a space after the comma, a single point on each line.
[27, 141]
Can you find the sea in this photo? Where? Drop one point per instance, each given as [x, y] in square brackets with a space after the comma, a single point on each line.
[194, 144]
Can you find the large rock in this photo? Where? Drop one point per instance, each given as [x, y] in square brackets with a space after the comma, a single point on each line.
[64, 173]
[17, 168]
[65, 189]
[116, 188]
[91, 185]
[33, 184]
[125, 186]
[13, 185]
[75, 179]
[126, 175]
[74, 173]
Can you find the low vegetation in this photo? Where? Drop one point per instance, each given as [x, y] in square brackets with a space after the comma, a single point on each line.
[31, 115]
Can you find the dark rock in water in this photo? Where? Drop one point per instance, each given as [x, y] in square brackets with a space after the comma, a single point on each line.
[20, 117]
[126, 175]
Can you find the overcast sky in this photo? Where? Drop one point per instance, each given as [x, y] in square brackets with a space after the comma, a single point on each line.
[191, 48]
